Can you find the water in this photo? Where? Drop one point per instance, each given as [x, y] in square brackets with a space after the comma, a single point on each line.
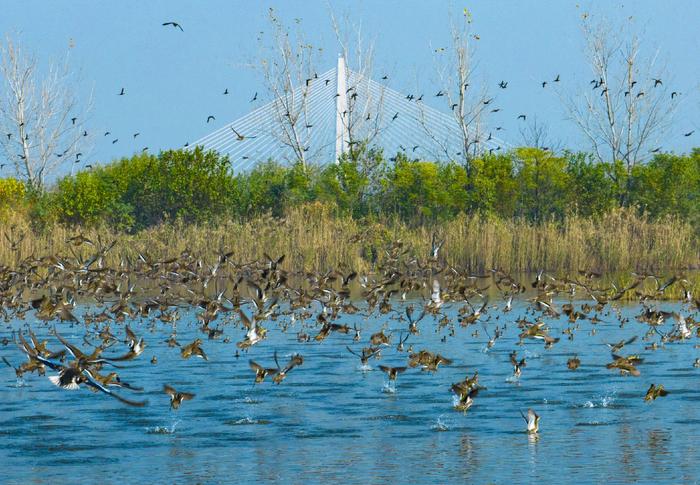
[332, 421]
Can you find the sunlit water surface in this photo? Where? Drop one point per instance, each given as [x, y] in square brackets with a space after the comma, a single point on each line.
[330, 421]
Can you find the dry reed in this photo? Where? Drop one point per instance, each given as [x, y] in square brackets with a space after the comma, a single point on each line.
[314, 239]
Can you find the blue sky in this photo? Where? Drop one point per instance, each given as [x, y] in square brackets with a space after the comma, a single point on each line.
[174, 80]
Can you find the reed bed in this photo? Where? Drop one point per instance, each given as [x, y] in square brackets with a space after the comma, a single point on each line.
[313, 238]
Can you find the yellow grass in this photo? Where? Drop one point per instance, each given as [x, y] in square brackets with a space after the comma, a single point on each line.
[313, 238]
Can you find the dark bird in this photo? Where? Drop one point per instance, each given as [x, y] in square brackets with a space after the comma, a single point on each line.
[503, 84]
[674, 94]
[439, 93]
[174, 24]
[115, 141]
[544, 84]
[657, 82]
[210, 118]
[556, 79]
[226, 91]
[73, 120]
[385, 77]
[395, 116]
[689, 133]
[522, 117]
[255, 96]
[136, 134]
[122, 92]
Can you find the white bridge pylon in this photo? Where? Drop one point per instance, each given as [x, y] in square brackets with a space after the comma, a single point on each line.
[329, 108]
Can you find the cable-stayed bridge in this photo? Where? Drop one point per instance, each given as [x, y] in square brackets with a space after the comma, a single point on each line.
[321, 119]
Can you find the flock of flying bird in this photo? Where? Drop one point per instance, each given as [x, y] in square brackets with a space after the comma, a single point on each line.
[596, 84]
[252, 297]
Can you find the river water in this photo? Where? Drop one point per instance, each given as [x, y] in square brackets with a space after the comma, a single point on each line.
[333, 421]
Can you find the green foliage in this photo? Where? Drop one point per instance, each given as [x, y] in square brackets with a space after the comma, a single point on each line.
[592, 190]
[12, 192]
[198, 187]
[144, 190]
[669, 184]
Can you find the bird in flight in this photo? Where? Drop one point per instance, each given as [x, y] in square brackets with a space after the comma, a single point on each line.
[689, 133]
[255, 96]
[503, 84]
[174, 24]
[240, 137]
[226, 91]
[122, 92]
[210, 118]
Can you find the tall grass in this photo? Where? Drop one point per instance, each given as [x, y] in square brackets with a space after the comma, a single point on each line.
[313, 238]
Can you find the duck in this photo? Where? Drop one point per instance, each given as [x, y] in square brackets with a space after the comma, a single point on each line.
[177, 397]
[655, 391]
[532, 420]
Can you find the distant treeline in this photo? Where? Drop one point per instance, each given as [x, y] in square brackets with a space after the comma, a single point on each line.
[526, 183]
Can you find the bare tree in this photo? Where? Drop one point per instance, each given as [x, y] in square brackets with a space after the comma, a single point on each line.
[468, 103]
[536, 134]
[289, 75]
[628, 106]
[40, 116]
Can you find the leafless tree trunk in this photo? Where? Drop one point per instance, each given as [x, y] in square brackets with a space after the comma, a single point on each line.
[627, 107]
[40, 116]
[469, 104]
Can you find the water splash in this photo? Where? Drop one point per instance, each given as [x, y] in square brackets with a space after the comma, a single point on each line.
[531, 355]
[602, 401]
[439, 424]
[364, 367]
[513, 379]
[163, 429]
[20, 383]
[389, 387]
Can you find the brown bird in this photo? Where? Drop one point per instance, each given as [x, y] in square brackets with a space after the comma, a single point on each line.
[392, 372]
[655, 391]
[176, 397]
